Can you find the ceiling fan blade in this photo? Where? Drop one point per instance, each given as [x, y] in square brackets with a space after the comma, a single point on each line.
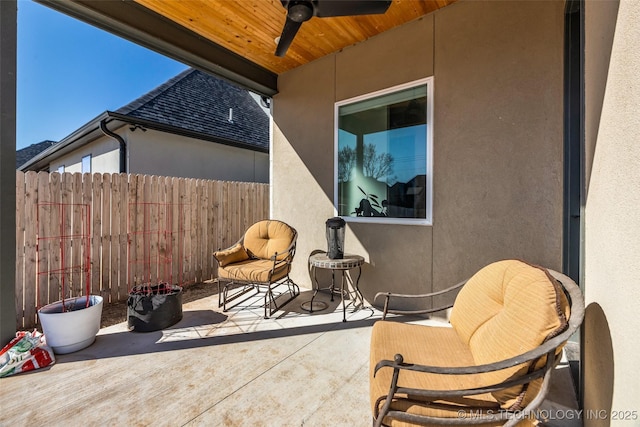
[289, 31]
[329, 8]
[299, 11]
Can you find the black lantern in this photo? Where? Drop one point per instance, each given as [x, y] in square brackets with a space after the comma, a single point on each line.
[335, 237]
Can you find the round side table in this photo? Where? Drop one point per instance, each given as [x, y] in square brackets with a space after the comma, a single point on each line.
[347, 262]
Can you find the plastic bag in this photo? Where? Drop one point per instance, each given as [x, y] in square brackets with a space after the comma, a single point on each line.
[26, 352]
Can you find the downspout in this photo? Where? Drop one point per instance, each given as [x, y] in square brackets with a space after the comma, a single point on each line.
[123, 144]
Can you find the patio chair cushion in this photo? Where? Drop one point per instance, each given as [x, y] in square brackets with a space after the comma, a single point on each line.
[234, 254]
[506, 309]
[264, 238]
[445, 349]
[253, 270]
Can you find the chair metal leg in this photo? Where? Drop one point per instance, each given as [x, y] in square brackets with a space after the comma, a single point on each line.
[225, 293]
[270, 304]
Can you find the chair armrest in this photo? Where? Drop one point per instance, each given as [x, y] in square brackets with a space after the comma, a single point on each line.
[389, 295]
[509, 418]
[398, 365]
[546, 348]
[277, 255]
[289, 252]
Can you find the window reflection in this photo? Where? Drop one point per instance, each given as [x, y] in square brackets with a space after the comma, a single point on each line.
[382, 156]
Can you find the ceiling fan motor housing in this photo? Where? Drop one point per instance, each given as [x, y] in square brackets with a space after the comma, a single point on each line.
[300, 11]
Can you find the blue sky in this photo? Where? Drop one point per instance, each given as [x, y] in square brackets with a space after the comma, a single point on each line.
[69, 72]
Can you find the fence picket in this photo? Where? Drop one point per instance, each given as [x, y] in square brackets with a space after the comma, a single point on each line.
[30, 250]
[44, 229]
[56, 241]
[176, 225]
[114, 238]
[66, 181]
[152, 228]
[123, 241]
[96, 230]
[77, 219]
[185, 191]
[105, 238]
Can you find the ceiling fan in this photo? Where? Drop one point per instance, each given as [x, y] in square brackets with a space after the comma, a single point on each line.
[299, 11]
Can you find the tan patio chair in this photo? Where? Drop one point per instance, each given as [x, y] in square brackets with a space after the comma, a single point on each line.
[492, 366]
[261, 258]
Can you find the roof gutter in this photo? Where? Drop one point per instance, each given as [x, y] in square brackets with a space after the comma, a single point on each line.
[123, 144]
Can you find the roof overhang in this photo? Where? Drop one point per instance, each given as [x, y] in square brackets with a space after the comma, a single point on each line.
[236, 39]
[147, 28]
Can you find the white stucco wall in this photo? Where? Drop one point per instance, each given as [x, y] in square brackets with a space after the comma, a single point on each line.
[161, 153]
[105, 157]
[612, 212]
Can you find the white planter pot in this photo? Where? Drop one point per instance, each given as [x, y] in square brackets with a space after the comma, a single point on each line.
[74, 329]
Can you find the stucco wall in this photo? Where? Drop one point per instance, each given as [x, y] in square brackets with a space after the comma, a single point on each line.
[612, 211]
[497, 70]
[160, 153]
[105, 157]
[498, 135]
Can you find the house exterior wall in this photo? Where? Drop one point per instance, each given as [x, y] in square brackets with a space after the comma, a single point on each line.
[612, 212]
[161, 153]
[105, 157]
[497, 143]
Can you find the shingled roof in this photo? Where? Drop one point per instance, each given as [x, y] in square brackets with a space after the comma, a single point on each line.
[201, 103]
[24, 154]
[193, 104]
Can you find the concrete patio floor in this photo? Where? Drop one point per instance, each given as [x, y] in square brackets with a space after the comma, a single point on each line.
[216, 369]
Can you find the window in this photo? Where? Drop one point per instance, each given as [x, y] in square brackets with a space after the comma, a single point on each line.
[61, 169]
[86, 164]
[383, 155]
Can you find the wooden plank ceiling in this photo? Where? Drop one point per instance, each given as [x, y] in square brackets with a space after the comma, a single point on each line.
[249, 27]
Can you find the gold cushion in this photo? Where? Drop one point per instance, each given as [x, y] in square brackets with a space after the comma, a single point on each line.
[506, 309]
[264, 238]
[236, 253]
[254, 271]
[419, 344]
[433, 346]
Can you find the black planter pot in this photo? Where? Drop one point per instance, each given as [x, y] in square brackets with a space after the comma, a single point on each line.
[154, 307]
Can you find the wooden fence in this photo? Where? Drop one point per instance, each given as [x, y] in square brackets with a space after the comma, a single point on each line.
[109, 232]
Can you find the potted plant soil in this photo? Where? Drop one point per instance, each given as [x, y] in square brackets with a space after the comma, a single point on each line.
[153, 307]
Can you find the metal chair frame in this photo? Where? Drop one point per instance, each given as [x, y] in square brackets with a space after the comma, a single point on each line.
[510, 418]
[270, 298]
